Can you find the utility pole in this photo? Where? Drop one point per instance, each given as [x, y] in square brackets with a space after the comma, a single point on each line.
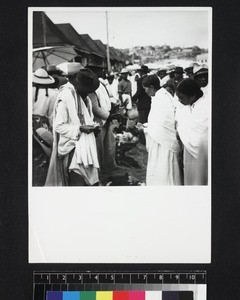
[108, 56]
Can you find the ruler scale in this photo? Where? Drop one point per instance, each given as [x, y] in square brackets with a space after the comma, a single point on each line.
[161, 285]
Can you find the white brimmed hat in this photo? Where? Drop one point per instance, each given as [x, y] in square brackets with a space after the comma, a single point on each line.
[45, 139]
[171, 68]
[40, 76]
[70, 68]
[124, 71]
[198, 70]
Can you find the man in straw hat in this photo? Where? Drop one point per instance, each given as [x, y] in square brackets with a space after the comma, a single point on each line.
[57, 74]
[41, 82]
[200, 75]
[189, 69]
[43, 98]
[74, 158]
[125, 89]
[172, 83]
[163, 75]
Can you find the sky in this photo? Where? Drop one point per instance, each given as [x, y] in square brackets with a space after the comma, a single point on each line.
[129, 27]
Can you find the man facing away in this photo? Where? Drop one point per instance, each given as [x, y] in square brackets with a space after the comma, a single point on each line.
[101, 105]
[142, 100]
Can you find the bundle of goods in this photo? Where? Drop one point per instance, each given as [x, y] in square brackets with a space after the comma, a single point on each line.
[123, 180]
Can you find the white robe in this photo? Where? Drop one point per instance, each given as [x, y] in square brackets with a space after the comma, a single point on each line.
[164, 150]
[193, 131]
[66, 124]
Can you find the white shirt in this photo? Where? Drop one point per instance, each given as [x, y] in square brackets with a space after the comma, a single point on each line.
[44, 103]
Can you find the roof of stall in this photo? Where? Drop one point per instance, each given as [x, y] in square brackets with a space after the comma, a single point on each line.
[46, 33]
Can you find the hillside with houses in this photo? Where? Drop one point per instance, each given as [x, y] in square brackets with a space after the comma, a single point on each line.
[154, 54]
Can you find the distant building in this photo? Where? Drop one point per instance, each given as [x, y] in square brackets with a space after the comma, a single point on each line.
[202, 58]
[187, 50]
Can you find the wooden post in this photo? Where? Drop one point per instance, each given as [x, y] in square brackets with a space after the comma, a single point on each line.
[108, 56]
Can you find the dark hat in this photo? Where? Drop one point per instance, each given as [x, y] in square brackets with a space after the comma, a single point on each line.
[178, 70]
[95, 61]
[191, 66]
[188, 87]
[59, 80]
[54, 70]
[144, 69]
[86, 81]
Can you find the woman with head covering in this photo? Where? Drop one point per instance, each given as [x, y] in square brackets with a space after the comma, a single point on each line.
[164, 165]
[192, 127]
[74, 158]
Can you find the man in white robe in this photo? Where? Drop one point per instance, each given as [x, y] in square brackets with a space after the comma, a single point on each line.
[74, 158]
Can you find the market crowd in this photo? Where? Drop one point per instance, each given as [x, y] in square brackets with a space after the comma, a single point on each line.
[76, 111]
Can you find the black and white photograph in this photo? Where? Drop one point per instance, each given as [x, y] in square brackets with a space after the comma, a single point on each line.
[123, 100]
[119, 134]
[120, 153]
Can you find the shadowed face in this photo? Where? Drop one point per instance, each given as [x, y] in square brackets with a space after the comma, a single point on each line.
[150, 91]
[185, 99]
[202, 80]
[124, 75]
[162, 74]
[110, 79]
[178, 75]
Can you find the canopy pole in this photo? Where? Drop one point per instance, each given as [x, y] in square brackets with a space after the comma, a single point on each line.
[108, 56]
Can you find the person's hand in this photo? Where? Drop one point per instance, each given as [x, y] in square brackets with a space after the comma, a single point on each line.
[114, 116]
[87, 128]
[97, 130]
[122, 111]
[140, 126]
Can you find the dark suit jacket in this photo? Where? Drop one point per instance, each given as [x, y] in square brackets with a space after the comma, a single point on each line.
[144, 101]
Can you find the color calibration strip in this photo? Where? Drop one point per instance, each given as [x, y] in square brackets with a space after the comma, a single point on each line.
[121, 295]
[162, 285]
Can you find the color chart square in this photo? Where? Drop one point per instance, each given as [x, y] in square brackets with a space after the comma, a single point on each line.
[170, 295]
[137, 295]
[104, 295]
[186, 295]
[88, 295]
[71, 295]
[54, 295]
[153, 295]
[120, 295]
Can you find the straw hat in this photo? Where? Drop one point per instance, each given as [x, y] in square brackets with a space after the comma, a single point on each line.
[162, 69]
[70, 68]
[45, 139]
[124, 71]
[171, 68]
[40, 76]
[199, 70]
